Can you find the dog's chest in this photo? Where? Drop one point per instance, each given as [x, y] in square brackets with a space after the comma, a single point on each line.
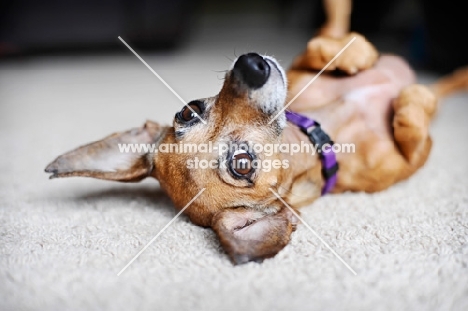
[370, 106]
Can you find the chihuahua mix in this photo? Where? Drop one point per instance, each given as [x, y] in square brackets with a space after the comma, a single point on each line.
[372, 103]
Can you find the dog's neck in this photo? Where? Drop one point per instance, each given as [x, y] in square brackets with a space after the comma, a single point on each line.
[304, 180]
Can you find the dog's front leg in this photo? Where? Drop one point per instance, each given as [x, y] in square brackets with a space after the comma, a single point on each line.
[359, 55]
[248, 235]
[338, 18]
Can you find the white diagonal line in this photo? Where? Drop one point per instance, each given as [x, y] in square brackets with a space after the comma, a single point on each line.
[162, 80]
[160, 232]
[312, 230]
[312, 80]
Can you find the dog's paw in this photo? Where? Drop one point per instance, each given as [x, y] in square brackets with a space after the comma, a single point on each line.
[359, 55]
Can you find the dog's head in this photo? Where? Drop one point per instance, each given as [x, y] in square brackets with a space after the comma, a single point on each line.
[215, 144]
[231, 126]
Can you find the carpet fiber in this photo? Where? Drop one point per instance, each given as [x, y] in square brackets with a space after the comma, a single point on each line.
[62, 242]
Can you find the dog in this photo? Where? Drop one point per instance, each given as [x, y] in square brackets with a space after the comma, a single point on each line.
[373, 103]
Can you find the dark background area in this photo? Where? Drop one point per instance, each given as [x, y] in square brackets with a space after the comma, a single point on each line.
[430, 34]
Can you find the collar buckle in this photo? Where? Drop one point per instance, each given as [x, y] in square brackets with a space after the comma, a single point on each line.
[318, 137]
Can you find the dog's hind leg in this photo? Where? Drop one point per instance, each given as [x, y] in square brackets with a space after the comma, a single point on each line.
[413, 110]
[456, 81]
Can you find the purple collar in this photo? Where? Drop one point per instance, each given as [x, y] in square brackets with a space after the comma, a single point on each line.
[318, 138]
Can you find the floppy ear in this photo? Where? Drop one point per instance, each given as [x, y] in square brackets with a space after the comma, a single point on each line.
[248, 235]
[107, 159]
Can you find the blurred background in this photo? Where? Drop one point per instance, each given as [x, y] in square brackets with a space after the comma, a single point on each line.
[65, 73]
[430, 34]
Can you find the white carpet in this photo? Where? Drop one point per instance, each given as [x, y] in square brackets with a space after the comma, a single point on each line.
[62, 242]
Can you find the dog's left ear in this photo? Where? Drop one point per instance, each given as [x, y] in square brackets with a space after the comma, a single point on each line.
[249, 235]
[109, 159]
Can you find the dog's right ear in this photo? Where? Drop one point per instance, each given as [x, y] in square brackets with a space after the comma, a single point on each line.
[250, 235]
[113, 158]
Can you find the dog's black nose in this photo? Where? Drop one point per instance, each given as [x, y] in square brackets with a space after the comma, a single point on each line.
[253, 69]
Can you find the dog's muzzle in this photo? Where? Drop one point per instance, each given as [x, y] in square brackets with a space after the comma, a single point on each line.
[252, 69]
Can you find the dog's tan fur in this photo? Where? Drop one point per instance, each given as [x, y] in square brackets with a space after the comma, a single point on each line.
[377, 107]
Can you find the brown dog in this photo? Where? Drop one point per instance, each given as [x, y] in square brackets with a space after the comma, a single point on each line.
[377, 107]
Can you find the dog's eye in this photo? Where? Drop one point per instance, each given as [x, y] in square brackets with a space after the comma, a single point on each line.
[190, 112]
[241, 163]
